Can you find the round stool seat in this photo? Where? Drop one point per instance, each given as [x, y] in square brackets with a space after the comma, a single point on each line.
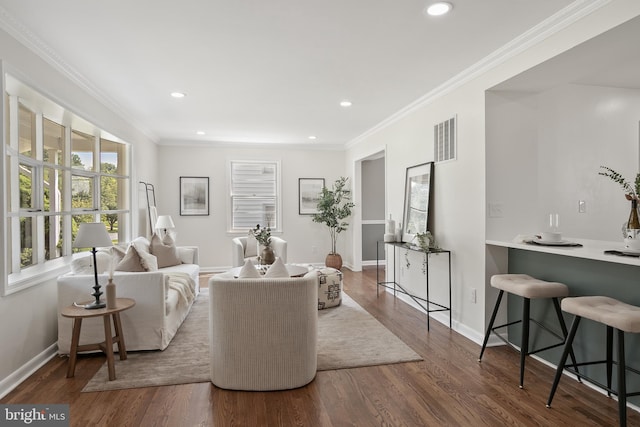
[528, 287]
[609, 311]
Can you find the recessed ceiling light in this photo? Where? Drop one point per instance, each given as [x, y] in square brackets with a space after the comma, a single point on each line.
[178, 94]
[439, 8]
[312, 137]
[200, 132]
[345, 103]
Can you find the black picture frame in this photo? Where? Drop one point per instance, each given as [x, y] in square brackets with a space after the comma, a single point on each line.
[418, 187]
[309, 190]
[194, 195]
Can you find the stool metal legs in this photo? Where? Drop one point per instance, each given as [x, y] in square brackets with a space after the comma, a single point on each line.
[524, 342]
[622, 368]
[622, 380]
[493, 318]
[563, 358]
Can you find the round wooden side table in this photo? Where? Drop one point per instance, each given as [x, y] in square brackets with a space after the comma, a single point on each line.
[77, 313]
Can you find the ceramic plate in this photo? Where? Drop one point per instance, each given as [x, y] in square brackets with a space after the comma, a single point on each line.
[553, 243]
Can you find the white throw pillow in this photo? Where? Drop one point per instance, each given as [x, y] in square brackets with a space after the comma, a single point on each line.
[277, 269]
[142, 244]
[84, 265]
[251, 249]
[248, 271]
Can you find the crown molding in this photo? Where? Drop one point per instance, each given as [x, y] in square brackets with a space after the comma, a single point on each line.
[252, 145]
[26, 37]
[550, 26]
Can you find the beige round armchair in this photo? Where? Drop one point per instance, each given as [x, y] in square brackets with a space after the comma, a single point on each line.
[241, 251]
[263, 332]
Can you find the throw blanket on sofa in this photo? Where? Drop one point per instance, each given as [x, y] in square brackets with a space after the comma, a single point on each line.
[184, 285]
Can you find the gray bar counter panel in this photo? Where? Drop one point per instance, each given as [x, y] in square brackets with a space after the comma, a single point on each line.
[584, 277]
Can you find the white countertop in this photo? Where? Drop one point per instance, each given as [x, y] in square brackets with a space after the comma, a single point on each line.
[590, 249]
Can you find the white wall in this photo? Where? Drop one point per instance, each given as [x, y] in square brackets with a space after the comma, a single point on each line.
[306, 241]
[459, 186]
[545, 152]
[28, 318]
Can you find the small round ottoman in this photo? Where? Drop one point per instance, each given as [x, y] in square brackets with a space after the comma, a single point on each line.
[329, 287]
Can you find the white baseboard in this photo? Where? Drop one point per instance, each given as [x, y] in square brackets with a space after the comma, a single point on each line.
[443, 317]
[26, 370]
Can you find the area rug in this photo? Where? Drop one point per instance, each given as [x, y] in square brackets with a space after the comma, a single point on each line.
[348, 337]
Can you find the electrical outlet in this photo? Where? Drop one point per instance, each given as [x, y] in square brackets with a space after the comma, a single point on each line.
[473, 295]
[582, 206]
[496, 210]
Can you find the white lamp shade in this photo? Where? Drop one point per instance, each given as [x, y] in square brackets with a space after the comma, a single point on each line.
[92, 235]
[165, 221]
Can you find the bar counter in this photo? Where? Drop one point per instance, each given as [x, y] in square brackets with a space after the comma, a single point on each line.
[586, 270]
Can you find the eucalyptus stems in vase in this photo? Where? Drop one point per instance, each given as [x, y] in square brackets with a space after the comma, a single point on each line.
[631, 193]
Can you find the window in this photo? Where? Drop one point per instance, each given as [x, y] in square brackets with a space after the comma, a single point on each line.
[255, 195]
[58, 173]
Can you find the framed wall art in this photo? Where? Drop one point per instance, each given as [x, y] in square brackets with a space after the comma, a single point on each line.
[194, 195]
[417, 199]
[309, 190]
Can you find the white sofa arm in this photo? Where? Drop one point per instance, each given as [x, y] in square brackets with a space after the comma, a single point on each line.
[188, 254]
[237, 251]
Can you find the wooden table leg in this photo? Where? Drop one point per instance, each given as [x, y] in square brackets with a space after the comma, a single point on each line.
[108, 343]
[73, 351]
[122, 349]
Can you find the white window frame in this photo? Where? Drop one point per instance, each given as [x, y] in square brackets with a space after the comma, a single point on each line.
[278, 197]
[41, 269]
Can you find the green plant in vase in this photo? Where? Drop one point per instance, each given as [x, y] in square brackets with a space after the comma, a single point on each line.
[631, 193]
[334, 206]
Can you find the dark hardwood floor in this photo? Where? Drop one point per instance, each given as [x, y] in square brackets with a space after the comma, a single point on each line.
[448, 388]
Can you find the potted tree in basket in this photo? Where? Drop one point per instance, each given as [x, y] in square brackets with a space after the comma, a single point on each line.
[334, 206]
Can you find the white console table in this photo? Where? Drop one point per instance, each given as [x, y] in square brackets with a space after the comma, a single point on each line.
[431, 306]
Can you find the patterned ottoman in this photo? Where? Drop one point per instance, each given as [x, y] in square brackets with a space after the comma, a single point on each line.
[329, 287]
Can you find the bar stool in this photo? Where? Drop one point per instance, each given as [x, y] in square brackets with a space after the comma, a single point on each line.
[528, 288]
[615, 315]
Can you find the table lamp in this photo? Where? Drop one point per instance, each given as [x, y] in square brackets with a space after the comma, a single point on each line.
[164, 222]
[93, 235]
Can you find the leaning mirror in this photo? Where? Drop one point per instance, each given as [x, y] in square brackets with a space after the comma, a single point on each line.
[417, 195]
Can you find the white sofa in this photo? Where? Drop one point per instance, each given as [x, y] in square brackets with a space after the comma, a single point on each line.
[240, 253]
[263, 332]
[162, 303]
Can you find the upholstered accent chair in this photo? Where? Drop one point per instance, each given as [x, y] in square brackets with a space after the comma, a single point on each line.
[242, 249]
[263, 332]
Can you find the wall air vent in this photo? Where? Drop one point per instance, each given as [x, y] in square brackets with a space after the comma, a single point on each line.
[444, 140]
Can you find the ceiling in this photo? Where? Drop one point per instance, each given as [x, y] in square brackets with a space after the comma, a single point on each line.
[257, 71]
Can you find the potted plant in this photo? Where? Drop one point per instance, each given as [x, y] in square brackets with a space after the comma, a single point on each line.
[334, 206]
